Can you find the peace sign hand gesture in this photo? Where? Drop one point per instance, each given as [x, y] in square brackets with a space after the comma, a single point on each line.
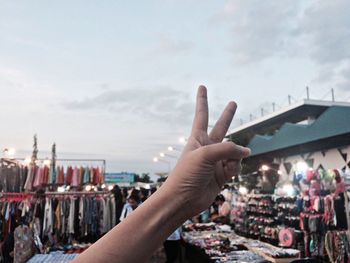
[206, 162]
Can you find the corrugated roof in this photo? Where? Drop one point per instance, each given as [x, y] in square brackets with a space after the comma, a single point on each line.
[333, 122]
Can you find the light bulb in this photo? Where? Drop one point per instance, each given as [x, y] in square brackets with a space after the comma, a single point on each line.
[302, 166]
[265, 167]
[243, 190]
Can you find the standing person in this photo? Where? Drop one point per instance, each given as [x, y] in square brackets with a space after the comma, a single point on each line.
[119, 204]
[172, 246]
[131, 205]
[143, 194]
[206, 164]
[223, 215]
[226, 193]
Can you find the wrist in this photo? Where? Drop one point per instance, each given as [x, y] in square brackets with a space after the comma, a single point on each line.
[175, 201]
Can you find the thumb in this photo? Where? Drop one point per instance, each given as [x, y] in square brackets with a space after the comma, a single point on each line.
[223, 151]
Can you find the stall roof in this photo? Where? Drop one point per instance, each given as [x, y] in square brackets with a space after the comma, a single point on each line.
[295, 113]
[333, 122]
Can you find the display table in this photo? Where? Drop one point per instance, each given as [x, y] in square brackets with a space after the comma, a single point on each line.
[215, 245]
[53, 257]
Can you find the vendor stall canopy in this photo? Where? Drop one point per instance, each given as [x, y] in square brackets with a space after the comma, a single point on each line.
[333, 122]
[319, 124]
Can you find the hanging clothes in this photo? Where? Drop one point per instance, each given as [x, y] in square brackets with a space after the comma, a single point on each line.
[48, 217]
[86, 176]
[75, 177]
[71, 216]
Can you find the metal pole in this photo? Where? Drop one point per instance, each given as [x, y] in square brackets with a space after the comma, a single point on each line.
[251, 117]
[273, 107]
[289, 99]
[262, 112]
[307, 92]
[333, 97]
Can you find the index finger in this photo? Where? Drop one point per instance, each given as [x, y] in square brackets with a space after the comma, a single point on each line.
[200, 121]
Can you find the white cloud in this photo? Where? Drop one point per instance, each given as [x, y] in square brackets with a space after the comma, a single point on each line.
[170, 46]
[162, 104]
[259, 29]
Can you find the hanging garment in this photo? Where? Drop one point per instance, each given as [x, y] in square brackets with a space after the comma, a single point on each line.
[113, 212]
[69, 175]
[91, 175]
[46, 175]
[71, 216]
[48, 217]
[30, 178]
[75, 177]
[23, 177]
[52, 175]
[57, 221]
[94, 217]
[37, 177]
[81, 216]
[109, 214]
[103, 216]
[81, 175]
[86, 176]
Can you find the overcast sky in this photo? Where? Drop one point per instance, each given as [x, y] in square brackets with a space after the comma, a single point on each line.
[117, 79]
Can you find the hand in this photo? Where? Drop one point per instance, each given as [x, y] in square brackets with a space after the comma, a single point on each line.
[206, 162]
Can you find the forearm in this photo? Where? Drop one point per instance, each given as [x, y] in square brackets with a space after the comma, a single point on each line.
[135, 238]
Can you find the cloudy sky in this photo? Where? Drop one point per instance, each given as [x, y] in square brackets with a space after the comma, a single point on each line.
[117, 79]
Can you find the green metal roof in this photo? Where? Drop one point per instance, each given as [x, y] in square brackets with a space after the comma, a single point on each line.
[334, 121]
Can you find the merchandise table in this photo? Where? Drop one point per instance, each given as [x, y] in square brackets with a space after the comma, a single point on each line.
[219, 244]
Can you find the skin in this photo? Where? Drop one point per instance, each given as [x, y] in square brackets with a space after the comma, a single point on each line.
[206, 164]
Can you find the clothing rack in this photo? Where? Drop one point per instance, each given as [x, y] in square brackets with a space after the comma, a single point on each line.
[77, 193]
[15, 196]
[32, 194]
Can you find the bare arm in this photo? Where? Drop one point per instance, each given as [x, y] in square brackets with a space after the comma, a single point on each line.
[205, 165]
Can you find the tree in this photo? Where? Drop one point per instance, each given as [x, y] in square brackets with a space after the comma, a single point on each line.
[144, 178]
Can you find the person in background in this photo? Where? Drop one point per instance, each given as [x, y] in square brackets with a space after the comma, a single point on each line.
[131, 205]
[172, 246]
[223, 215]
[226, 192]
[143, 194]
[125, 194]
[119, 203]
[153, 190]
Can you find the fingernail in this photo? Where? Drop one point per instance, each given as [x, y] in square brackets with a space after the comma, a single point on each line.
[246, 150]
[202, 91]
